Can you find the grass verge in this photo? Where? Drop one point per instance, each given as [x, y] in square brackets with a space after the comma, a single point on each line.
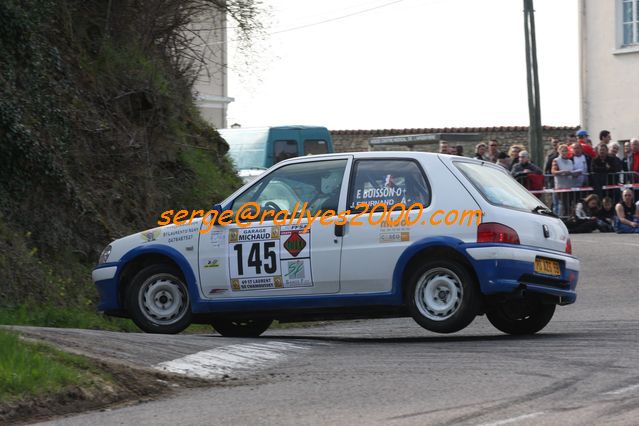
[30, 369]
[50, 316]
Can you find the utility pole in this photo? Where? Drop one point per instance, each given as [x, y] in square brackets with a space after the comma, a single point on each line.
[535, 137]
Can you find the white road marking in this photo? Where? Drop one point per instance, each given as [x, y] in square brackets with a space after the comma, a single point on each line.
[229, 360]
[623, 390]
[514, 419]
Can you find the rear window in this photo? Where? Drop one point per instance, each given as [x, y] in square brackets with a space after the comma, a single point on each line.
[284, 149]
[498, 187]
[315, 146]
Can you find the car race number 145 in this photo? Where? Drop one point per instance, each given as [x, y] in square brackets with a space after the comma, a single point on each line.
[269, 257]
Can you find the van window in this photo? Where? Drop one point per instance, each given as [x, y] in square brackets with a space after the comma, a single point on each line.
[315, 146]
[246, 147]
[283, 150]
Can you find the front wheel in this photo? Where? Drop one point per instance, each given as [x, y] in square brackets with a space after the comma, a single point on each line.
[241, 328]
[158, 300]
[442, 296]
[520, 317]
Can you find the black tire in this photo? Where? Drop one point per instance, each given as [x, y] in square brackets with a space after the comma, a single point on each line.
[520, 317]
[241, 328]
[158, 300]
[442, 296]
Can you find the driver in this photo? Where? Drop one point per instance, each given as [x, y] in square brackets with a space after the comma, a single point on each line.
[328, 198]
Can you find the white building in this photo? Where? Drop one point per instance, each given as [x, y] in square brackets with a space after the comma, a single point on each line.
[609, 56]
[211, 87]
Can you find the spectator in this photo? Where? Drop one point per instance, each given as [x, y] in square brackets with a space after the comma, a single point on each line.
[562, 170]
[603, 167]
[614, 151]
[581, 165]
[524, 166]
[503, 160]
[554, 142]
[626, 149]
[493, 151]
[459, 150]
[626, 221]
[587, 213]
[607, 212]
[527, 173]
[513, 153]
[582, 139]
[604, 137]
[443, 147]
[632, 159]
[480, 151]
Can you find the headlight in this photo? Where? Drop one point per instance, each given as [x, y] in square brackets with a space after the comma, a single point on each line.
[104, 256]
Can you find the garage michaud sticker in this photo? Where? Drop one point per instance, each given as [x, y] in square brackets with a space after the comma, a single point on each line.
[269, 257]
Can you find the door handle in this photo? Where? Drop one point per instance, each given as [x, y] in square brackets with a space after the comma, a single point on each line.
[339, 230]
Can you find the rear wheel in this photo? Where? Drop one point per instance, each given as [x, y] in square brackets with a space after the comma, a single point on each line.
[158, 300]
[442, 296]
[241, 328]
[520, 317]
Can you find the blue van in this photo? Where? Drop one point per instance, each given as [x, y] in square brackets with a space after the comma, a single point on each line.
[254, 150]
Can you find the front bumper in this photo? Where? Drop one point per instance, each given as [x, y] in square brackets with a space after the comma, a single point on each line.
[105, 279]
[507, 269]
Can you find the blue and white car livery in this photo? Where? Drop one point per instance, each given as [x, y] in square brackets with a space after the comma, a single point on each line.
[514, 264]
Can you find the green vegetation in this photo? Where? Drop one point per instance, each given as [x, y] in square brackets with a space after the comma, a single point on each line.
[33, 369]
[99, 134]
[49, 316]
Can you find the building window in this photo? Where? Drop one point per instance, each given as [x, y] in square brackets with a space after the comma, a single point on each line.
[630, 22]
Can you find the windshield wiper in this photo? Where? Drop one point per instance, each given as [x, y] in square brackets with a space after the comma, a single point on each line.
[543, 210]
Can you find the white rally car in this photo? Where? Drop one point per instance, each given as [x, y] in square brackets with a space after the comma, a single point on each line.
[512, 261]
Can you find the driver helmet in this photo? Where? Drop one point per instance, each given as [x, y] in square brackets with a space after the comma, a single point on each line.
[331, 181]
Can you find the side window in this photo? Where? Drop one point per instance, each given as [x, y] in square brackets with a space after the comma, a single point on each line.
[315, 146]
[318, 183]
[388, 182]
[283, 150]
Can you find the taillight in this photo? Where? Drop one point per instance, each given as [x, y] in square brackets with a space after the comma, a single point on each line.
[568, 246]
[496, 233]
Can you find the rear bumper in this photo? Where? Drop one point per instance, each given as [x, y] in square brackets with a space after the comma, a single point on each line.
[507, 269]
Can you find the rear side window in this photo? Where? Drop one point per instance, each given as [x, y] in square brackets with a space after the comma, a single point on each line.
[315, 146]
[388, 182]
[498, 187]
[283, 150]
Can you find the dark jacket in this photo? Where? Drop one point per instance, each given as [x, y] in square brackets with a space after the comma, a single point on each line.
[548, 163]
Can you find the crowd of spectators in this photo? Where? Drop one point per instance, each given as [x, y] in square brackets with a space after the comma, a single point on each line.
[574, 168]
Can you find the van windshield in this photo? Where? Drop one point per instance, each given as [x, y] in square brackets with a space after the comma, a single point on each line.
[247, 147]
[498, 187]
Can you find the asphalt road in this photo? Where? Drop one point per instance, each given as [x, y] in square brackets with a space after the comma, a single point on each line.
[582, 369]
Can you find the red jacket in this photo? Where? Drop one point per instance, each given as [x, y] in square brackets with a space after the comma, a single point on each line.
[587, 149]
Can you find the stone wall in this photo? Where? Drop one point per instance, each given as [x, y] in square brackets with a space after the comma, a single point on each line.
[357, 140]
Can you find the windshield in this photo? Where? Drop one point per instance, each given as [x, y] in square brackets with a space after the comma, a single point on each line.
[247, 147]
[498, 187]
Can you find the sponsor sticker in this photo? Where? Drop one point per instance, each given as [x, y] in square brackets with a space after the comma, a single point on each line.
[212, 263]
[269, 257]
[150, 235]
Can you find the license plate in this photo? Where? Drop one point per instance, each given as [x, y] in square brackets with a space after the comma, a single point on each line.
[547, 266]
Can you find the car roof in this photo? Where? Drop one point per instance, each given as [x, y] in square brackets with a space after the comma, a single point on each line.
[379, 154]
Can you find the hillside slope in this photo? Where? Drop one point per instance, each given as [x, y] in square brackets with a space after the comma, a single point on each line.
[99, 134]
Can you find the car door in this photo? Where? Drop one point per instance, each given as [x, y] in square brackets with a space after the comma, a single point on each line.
[281, 256]
[370, 249]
